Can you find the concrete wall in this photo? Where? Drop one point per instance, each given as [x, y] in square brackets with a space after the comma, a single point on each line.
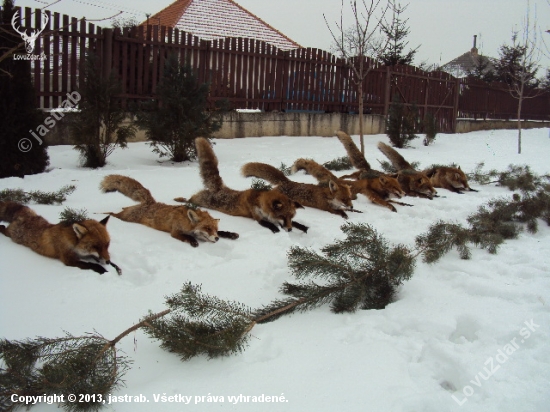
[471, 125]
[296, 124]
[237, 125]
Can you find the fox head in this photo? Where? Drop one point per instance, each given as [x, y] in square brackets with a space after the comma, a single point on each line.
[341, 195]
[92, 240]
[458, 178]
[391, 186]
[277, 208]
[452, 175]
[205, 226]
[420, 183]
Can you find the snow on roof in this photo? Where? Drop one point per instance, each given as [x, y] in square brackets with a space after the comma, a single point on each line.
[211, 19]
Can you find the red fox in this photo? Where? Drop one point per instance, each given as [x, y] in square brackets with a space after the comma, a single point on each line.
[270, 208]
[413, 182]
[450, 178]
[334, 198]
[181, 222]
[378, 189]
[74, 244]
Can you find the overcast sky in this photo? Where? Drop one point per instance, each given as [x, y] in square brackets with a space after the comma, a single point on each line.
[443, 29]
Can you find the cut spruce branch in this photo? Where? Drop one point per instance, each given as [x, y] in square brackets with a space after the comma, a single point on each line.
[338, 164]
[360, 272]
[83, 365]
[515, 177]
[493, 223]
[70, 215]
[37, 196]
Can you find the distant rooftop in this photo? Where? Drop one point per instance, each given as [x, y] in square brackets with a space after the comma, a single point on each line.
[467, 62]
[211, 19]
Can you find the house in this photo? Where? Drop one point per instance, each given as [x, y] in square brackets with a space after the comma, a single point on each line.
[469, 62]
[211, 19]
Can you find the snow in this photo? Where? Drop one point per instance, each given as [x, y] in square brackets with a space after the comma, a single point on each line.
[432, 349]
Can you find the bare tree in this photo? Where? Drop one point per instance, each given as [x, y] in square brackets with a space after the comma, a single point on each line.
[359, 43]
[519, 64]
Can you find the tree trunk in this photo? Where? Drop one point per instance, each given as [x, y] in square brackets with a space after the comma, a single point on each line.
[360, 95]
[520, 101]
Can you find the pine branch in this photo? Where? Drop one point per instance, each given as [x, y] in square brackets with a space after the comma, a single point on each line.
[70, 215]
[61, 366]
[259, 184]
[340, 163]
[37, 196]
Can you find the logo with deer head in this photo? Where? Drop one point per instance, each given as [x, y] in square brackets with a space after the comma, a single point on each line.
[29, 40]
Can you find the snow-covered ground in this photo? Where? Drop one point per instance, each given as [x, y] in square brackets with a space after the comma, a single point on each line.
[456, 338]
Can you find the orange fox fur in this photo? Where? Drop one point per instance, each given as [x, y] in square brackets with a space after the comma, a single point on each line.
[413, 182]
[334, 198]
[378, 189]
[70, 243]
[181, 222]
[270, 208]
[450, 178]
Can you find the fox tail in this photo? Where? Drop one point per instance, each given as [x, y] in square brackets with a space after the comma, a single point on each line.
[264, 171]
[355, 156]
[128, 187]
[395, 158]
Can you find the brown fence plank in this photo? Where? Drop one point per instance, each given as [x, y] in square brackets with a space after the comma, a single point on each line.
[254, 74]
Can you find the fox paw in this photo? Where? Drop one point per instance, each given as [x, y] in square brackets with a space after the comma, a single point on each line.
[228, 235]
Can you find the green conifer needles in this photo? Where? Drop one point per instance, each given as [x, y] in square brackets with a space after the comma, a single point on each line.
[200, 324]
[37, 196]
[83, 365]
[360, 272]
[497, 220]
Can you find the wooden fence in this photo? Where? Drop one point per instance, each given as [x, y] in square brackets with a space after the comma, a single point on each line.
[252, 74]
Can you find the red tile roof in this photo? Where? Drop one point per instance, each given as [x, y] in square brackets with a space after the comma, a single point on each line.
[210, 19]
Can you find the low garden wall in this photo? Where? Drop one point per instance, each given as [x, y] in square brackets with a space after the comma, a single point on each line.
[238, 124]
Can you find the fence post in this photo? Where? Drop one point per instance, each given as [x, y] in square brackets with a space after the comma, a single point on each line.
[285, 82]
[387, 91]
[107, 58]
[455, 108]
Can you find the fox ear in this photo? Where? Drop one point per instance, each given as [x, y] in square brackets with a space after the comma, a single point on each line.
[332, 186]
[383, 179]
[104, 221]
[431, 172]
[193, 217]
[459, 168]
[277, 205]
[79, 230]
[298, 205]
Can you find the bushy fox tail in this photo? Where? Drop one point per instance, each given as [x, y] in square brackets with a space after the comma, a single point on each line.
[319, 172]
[128, 187]
[264, 171]
[355, 156]
[9, 211]
[395, 158]
[208, 163]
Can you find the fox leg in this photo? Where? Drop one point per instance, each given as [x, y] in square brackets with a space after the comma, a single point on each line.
[377, 199]
[269, 225]
[184, 238]
[74, 261]
[228, 235]
[400, 203]
[299, 226]
[339, 212]
[4, 231]
[91, 266]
